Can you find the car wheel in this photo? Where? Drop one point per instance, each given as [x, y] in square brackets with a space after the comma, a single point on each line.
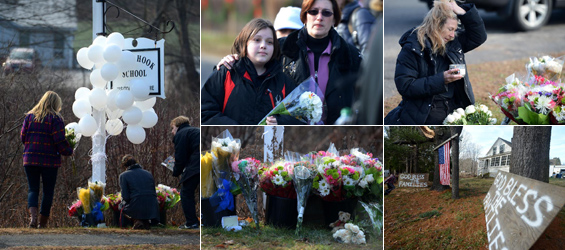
[531, 14]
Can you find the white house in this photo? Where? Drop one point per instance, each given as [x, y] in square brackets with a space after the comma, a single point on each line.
[48, 26]
[497, 158]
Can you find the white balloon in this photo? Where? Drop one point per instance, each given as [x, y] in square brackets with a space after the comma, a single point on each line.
[124, 99]
[82, 58]
[127, 60]
[135, 134]
[139, 89]
[82, 108]
[100, 40]
[149, 119]
[87, 125]
[109, 71]
[111, 100]
[82, 93]
[97, 98]
[72, 125]
[96, 79]
[117, 39]
[112, 53]
[132, 115]
[95, 53]
[147, 104]
[116, 114]
[114, 127]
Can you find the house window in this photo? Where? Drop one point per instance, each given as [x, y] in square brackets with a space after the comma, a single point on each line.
[494, 151]
[24, 39]
[501, 149]
[492, 162]
[59, 45]
[496, 161]
[503, 160]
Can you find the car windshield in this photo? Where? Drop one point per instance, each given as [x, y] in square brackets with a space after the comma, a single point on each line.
[18, 54]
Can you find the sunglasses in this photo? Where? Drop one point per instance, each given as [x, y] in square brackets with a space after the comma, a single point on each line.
[325, 13]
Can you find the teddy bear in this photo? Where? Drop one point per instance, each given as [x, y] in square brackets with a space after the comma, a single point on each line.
[340, 223]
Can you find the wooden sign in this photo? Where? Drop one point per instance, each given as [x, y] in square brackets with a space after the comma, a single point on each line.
[518, 210]
[413, 180]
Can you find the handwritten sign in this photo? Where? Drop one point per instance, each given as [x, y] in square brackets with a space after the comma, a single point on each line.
[518, 209]
[413, 180]
[149, 66]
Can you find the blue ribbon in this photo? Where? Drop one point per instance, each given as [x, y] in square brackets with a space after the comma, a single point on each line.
[98, 216]
[223, 198]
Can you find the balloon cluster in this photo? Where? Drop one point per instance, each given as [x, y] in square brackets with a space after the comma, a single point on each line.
[131, 102]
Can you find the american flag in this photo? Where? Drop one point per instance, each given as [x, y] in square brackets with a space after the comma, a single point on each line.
[444, 176]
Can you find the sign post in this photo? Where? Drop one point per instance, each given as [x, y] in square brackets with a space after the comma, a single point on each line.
[519, 209]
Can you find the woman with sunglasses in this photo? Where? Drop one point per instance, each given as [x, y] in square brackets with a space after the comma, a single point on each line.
[430, 90]
[318, 51]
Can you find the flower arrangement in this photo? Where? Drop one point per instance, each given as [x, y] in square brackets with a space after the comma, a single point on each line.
[301, 103]
[207, 188]
[76, 209]
[166, 196]
[246, 173]
[350, 234]
[546, 66]
[72, 137]
[472, 115]
[114, 201]
[328, 180]
[302, 177]
[276, 180]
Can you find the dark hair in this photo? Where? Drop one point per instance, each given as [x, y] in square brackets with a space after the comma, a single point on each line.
[251, 28]
[307, 5]
[128, 160]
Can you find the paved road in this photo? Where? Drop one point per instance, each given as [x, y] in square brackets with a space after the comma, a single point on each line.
[502, 43]
[7, 241]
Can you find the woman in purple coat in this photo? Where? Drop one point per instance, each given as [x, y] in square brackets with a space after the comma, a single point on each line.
[43, 136]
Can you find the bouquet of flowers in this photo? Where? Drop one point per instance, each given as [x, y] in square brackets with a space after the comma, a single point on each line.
[328, 180]
[207, 180]
[546, 66]
[303, 177]
[76, 209]
[97, 189]
[246, 173]
[167, 196]
[225, 150]
[114, 201]
[472, 115]
[71, 134]
[276, 180]
[301, 103]
[350, 234]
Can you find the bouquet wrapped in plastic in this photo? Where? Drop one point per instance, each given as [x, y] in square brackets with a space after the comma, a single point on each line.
[114, 201]
[303, 177]
[71, 134]
[546, 66]
[246, 173]
[225, 150]
[276, 180]
[207, 187]
[303, 103]
[471, 115]
[167, 196]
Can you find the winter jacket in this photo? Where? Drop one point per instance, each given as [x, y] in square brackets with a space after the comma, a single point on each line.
[344, 61]
[230, 97]
[361, 21]
[138, 191]
[44, 142]
[187, 148]
[417, 80]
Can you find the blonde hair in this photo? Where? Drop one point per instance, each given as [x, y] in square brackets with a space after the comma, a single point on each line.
[50, 103]
[179, 120]
[376, 5]
[432, 25]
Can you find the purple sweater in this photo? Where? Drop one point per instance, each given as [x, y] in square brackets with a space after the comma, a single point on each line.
[44, 142]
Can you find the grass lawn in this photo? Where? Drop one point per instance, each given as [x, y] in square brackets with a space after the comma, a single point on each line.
[423, 219]
[269, 237]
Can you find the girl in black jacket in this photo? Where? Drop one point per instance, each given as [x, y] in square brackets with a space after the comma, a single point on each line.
[429, 89]
[254, 86]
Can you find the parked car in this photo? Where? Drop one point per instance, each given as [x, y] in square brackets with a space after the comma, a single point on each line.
[21, 60]
[523, 14]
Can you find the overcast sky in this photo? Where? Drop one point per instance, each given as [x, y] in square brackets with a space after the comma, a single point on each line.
[485, 136]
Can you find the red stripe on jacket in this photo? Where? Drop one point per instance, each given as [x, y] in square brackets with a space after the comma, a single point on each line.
[228, 87]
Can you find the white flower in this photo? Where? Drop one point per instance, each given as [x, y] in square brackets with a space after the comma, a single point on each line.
[493, 121]
[450, 118]
[322, 168]
[323, 184]
[348, 181]
[457, 116]
[354, 228]
[554, 67]
[363, 184]
[279, 180]
[470, 109]
[460, 111]
[369, 178]
[560, 116]
[543, 104]
[324, 192]
[484, 108]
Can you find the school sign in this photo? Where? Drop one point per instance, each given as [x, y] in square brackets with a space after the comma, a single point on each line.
[519, 209]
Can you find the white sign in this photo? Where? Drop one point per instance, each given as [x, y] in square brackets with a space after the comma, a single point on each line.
[149, 66]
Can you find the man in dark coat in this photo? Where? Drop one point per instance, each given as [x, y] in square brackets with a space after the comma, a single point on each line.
[187, 164]
[138, 192]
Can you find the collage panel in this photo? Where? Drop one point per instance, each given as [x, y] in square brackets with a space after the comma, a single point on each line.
[291, 187]
[311, 62]
[476, 68]
[474, 187]
[96, 99]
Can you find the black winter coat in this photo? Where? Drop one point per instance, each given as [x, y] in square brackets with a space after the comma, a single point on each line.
[417, 80]
[344, 61]
[246, 103]
[138, 191]
[187, 152]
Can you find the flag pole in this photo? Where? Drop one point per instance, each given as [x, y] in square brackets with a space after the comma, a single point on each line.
[443, 143]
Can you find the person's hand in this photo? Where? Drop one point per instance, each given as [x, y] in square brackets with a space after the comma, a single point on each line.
[271, 120]
[456, 8]
[228, 61]
[451, 76]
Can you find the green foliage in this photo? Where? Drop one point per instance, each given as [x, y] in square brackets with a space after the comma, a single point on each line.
[430, 214]
[396, 155]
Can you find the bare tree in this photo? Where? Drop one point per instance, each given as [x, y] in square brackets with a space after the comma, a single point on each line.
[530, 152]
